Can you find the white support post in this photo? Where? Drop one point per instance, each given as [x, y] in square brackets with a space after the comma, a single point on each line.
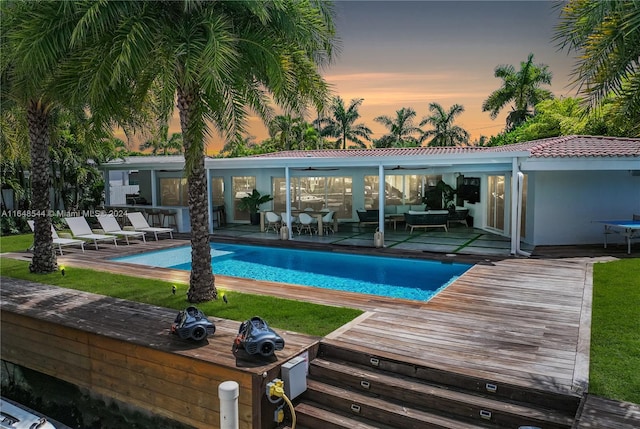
[210, 202]
[287, 199]
[515, 232]
[228, 392]
[378, 237]
[154, 189]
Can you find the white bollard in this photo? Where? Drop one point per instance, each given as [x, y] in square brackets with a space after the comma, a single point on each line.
[228, 392]
[378, 239]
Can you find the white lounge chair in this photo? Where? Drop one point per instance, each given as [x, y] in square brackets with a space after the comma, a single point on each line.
[139, 223]
[81, 229]
[59, 241]
[110, 226]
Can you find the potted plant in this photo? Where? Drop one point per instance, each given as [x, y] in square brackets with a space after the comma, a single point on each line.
[252, 203]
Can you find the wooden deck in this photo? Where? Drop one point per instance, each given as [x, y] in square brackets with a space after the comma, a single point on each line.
[124, 350]
[601, 413]
[524, 322]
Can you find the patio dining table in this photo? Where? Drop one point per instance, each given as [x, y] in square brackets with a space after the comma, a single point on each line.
[629, 229]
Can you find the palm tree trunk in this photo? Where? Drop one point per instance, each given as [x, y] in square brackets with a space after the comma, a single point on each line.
[201, 282]
[44, 257]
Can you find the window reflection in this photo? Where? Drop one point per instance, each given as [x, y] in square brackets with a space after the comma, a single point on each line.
[173, 191]
[242, 186]
[316, 193]
[400, 189]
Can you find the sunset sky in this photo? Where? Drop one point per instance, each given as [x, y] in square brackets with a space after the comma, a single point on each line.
[398, 54]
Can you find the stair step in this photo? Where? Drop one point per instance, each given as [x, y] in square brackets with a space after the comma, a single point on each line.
[392, 364]
[313, 415]
[379, 410]
[417, 393]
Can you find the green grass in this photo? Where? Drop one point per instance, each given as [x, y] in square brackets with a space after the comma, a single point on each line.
[303, 317]
[615, 331]
[15, 243]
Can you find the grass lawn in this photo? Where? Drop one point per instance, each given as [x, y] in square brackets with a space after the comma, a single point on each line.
[615, 331]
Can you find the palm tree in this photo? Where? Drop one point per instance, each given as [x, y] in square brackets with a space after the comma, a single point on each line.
[342, 123]
[42, 73]
[520, 87]
[162, 143]
[14, 155]
[606, 35]
[444, 132]
[401, 129]
[217, 59]
[31, 56]
[240, 146]
[282, 129]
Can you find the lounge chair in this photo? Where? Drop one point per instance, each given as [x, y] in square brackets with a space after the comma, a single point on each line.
[110, 226]
[139, 223]
[368, 217]
[59, 241]
[80, 229]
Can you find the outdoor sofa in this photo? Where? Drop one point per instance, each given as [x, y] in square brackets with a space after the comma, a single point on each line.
[426, 219]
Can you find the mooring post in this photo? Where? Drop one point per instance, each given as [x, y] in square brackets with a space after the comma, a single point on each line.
[228, 392]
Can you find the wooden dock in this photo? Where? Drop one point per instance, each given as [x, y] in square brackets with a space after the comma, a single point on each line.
[124, 350]
[515, 322]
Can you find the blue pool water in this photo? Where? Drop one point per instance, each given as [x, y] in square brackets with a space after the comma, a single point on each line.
[385, 276]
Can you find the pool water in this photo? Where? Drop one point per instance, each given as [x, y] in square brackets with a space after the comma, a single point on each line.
[384, 276]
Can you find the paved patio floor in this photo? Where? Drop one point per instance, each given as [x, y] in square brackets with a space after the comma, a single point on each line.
[458, 240]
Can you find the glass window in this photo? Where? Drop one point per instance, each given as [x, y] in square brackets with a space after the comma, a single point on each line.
[242, 186]
[217, 191]
[495, 202]
[173, 191]
[316, 193]
[400, 189]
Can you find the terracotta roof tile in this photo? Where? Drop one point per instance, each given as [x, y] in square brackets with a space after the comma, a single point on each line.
[379, 152]
[554, 147]
[578, 147]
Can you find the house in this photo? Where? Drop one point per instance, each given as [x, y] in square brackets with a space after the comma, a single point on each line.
[545, 192]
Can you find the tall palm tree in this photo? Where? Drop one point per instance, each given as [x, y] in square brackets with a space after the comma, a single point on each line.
[444, 133]
[282, 129]
[162, 143]
[341, 124]
[522, 88]
[218, 59]
[30, 59]
[42, 73]
[607, 37]
[401, 129]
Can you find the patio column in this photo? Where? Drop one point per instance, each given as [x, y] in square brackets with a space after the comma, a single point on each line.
[381, 200]
[209, 201]
[154, 190]
[287, 199]
[107, 188]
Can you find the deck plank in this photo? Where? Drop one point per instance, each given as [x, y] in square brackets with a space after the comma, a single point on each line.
[514, 320]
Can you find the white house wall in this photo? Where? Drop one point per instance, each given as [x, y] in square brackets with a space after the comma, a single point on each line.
[568, 205]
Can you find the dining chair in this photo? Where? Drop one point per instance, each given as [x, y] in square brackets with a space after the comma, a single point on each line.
[306, 223]
[327, 222]
[293, 221]
[273, 222]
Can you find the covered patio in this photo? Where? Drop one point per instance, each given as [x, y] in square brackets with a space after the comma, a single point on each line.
[458, 241]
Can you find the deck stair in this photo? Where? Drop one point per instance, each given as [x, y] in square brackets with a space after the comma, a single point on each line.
[357, 390]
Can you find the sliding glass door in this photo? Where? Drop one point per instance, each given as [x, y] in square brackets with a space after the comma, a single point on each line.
[495, 202]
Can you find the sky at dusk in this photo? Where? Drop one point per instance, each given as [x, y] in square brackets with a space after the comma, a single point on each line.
[398, 54]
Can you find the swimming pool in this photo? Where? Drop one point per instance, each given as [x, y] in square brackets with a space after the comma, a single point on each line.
[377, 275]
